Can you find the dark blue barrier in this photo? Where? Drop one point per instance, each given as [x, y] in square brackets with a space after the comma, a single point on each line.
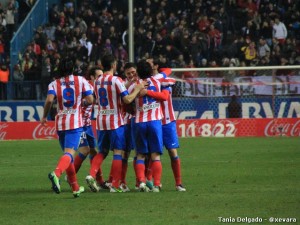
[185, 108]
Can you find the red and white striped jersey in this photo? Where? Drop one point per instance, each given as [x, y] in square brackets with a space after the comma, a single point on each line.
[147, 108]
[167, 106]
[109, 93]
[87, 110]
[69, 92]
[128, 109]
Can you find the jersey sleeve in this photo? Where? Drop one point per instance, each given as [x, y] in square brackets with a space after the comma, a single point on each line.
[87, 88]
[166, 71]
[166, 82]
[51, 89]
[162, 96]
[122, 90]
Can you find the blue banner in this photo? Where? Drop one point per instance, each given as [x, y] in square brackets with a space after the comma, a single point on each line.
[185, 108]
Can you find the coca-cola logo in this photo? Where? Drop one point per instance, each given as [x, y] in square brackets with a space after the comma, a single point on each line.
[44, 132]
[2, 131]
[281, 128]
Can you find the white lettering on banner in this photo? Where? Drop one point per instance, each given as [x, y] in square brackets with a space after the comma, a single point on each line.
[185, 114]
[241, 86]
[44, 132]
[294, 107]
[8, 113]
[282, 129]
[249, 110]
[2, 131]
[224, 128]
[222, 110]
[21, 113]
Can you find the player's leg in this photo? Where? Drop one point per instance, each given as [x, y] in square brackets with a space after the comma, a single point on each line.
[171, 143]
[125, 156]
[87, 142]
[141, 152]
[83, 152]
[117, 141]
[103, 146]
[69, 141]
[156, 150]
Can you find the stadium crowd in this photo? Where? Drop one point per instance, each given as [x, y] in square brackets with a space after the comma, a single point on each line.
[181, 33]
[12, 15]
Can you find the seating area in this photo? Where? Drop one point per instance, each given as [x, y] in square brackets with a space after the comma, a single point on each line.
[181, 33]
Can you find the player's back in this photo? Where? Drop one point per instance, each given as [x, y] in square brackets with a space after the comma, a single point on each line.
[166, 106]
[147, 108]
[109, 90]
[69, 91]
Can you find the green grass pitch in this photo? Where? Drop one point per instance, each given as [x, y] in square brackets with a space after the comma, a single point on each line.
[224, 177]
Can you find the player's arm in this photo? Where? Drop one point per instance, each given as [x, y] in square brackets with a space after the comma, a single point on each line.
[166, 71]
[47, 106]
[88, 94]
[88, 99]
[161, 96]
[127, 99]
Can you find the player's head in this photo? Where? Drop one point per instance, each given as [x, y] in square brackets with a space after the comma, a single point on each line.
[95, 72]
[66, 67]
[130, 71]
[155, 64]
[144, 69]
[109, 63]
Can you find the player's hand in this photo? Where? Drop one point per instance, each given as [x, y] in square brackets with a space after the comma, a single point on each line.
[139, 86]
[143, 92]
[146, 84]
[44, 121]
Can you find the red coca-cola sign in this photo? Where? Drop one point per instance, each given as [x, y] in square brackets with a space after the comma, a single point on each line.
[44, 132]
[289, 127]
[282, 127]
[3, 131]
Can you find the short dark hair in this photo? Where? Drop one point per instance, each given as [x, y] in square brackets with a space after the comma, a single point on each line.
[144, 69]
[107, 62]
[66, 67]
[93, 70]
[129, 65]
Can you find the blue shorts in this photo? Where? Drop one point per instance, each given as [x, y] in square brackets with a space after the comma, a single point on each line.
[129, 135]
[70, 138]
[111, 139]
[88, 137]
[148, 137]
[170, 137]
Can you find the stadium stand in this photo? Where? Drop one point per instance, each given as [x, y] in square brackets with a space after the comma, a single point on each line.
[181, 33]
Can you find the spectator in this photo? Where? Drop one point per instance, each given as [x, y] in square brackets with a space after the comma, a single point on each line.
[279, 31]
[266, 32]
[10, 21]
[250, 53]
[234, 108]
[2, 51]
[18, 76]
[4, 78]
[263, 48]
[45, 75]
